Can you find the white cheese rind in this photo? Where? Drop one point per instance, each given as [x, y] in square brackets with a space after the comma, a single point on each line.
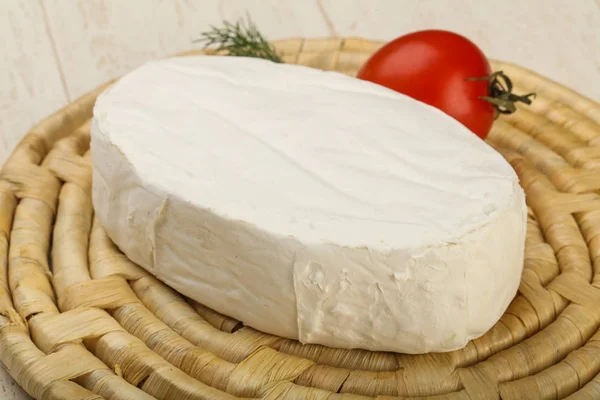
[308, 204]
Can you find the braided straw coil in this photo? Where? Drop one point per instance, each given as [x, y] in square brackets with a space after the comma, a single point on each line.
[78, 320]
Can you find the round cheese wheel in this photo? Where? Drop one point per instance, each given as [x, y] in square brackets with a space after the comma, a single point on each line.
[308, 204]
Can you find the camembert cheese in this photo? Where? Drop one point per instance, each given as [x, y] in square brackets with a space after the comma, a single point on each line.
[308, 204]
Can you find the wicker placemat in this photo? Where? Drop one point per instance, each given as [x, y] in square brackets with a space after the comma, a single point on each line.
[80, 321]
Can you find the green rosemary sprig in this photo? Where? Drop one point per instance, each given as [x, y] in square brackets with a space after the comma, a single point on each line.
[239, 39]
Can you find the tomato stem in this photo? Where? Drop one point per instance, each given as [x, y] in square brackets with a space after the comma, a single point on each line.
[501, 95]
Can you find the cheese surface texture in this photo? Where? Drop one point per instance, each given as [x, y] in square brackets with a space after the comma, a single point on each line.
[308, 204]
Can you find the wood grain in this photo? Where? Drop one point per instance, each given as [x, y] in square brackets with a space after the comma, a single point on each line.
[105, 39]
[9, 390]
[556, 38]
[29, 76]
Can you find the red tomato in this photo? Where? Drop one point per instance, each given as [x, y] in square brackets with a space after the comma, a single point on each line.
[433, 66]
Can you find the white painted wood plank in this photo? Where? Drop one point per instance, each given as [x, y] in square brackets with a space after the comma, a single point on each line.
[100, 40]
[29, 77]
[9, 390]
[31, 89]
[557, 38]
[107, 38]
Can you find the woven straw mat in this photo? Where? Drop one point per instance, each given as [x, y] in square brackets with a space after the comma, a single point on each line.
[78, 320]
